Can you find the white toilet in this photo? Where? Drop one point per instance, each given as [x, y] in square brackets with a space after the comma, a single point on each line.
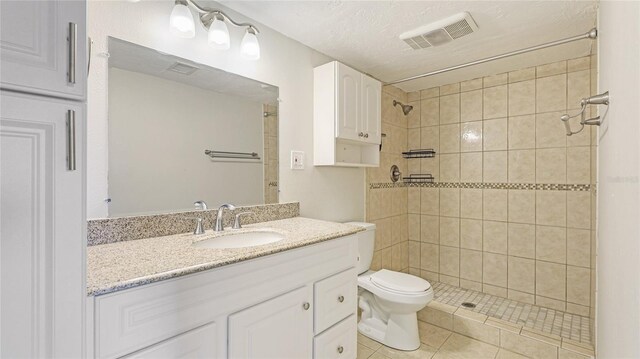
[389, 300]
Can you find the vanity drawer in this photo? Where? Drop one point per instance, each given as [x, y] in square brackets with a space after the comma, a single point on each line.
[340, 341]
[335, 298]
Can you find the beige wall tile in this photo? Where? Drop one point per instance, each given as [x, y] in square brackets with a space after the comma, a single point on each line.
[430, 112]
[453, 280]
[551, 303]
[522, 240]
[494, 166]
[581, 63]
[450, 202]
[494, 290]
[579, 210]
[413, 118]
[578, 309]
[450, 261]
[578, 87]
[522, 98]
[471, 234]
[550, 131]
[414, 227]
[551, 244]
[450, 109]
[413, 96]
[430, 201]
[471, 203]
[430, 92]
[413, 138]
[551, 280]
[578, 285]
[579, 247]
[494, 237]
[476, 330]
[551, 69]
[522, 132]
[450, 138]
[494, 206]
[551, 208]
[494, 103]
[414, 254]
[471, 106]
[471, 167]
[430, 257]
[521, 296]
[551, 93]
[578, 165]
[522, 274]
[471, 265]
[430, 165]
[495, 80]
[450, 231]
[469, 284]
[522, 166]
[494, 270]
[429, 138]
[449, 89]
[430, 229]
[522, 206]
[551, 165]
[522, 75]
[436, 317]
[471, 136]
[494, 134]
[471, 84]
[413, 200]
[449, 168]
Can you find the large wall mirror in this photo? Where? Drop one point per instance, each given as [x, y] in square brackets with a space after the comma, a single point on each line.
[181, 131]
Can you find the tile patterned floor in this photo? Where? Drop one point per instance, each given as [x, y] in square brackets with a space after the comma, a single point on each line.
[566, 325]
[437, 343]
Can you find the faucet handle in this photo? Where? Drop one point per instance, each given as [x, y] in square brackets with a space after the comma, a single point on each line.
[237, 224]
[200, 205]
[199, 226]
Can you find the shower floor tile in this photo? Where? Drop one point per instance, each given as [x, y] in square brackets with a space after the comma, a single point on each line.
[565, 325]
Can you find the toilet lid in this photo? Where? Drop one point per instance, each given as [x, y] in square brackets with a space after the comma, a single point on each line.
[400, 282]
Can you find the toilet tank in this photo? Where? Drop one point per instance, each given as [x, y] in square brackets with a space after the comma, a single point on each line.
[366, 243]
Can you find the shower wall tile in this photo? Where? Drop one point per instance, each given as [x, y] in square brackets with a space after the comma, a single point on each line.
[535, 245]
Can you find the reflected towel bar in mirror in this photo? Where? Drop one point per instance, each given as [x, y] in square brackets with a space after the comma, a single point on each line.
[234, 155]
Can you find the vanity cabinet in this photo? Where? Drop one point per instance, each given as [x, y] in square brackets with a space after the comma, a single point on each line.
[44, 47]
[347, 117]
[278, 306]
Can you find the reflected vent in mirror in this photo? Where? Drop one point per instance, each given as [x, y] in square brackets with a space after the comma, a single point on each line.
[182, 68]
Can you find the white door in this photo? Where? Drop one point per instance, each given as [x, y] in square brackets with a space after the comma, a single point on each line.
[42, 221]
[348, 99]
[371, 109]
[280, 328]
[43, 47]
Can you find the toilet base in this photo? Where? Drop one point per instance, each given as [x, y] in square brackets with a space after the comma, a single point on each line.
[400, 332]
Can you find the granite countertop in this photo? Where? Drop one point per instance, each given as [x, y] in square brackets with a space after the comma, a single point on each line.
[118, 266]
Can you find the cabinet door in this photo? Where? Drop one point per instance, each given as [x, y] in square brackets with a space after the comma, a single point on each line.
[371, 109]
[279, 328]
[348, 95]
[42, 236]
[43, 47]
[199, 343]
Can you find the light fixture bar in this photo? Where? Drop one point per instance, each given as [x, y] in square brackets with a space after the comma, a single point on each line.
[207, 15]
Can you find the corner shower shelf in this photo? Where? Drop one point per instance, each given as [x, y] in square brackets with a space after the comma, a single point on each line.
[422, 153]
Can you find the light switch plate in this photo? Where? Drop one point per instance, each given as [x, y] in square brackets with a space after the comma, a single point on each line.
[297, 160]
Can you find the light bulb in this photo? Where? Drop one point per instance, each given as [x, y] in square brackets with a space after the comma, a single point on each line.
[219, 35]
[249, 47]
[181, 21]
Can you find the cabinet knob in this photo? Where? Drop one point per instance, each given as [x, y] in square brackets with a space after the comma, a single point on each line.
[361, 134]
[306, 306]
[341, 299]
[366, 135]
[340, 349]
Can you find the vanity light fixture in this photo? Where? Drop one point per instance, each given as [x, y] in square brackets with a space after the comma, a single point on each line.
[215, 21]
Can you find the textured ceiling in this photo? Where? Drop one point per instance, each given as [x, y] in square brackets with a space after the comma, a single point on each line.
[364, 34]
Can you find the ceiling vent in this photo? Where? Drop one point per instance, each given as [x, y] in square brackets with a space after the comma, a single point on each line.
[440, 32]
[182, 68]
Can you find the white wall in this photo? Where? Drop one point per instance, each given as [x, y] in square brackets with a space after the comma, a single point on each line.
[325, 193]
[158, 131]
[618, 255]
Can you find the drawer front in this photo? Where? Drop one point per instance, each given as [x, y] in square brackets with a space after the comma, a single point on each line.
[339, 342]
[198, 343]
[335, 298]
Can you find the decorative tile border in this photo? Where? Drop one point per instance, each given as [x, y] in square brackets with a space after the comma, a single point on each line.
[488, 185]
[110, 230]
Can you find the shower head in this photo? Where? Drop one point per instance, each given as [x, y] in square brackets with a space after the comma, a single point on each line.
[405, 108]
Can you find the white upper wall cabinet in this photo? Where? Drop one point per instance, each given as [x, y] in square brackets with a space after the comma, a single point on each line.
[347, 117]
[44, 47]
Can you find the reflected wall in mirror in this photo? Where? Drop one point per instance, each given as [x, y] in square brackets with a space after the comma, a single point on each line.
[165, 112]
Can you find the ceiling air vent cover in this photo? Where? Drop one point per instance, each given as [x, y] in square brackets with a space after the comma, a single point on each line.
[440, 32]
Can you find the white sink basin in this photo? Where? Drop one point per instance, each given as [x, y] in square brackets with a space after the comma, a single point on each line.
[240, 240]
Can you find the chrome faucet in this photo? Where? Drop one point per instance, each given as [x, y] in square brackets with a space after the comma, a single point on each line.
[219, 226]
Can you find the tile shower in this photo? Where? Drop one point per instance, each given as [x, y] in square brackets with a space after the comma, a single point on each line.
[512, 209]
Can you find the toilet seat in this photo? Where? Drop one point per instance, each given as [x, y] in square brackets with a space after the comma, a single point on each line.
[400, 283]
